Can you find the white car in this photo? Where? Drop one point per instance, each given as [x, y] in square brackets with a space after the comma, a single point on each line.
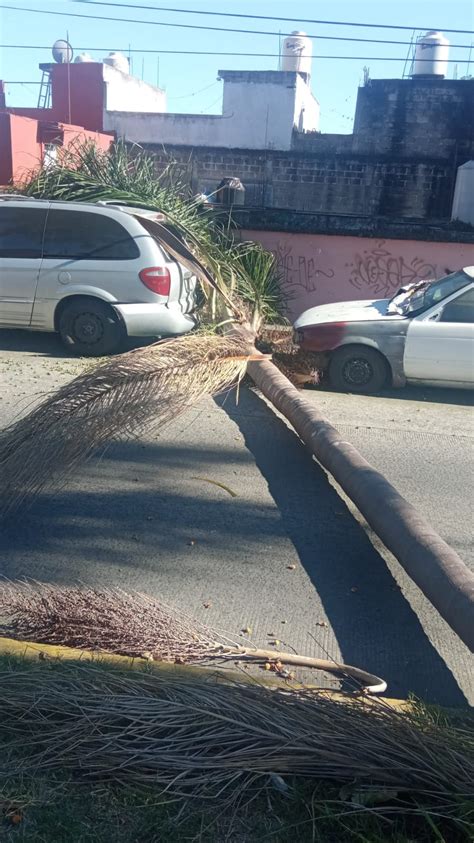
[424, 334]
[92, 272]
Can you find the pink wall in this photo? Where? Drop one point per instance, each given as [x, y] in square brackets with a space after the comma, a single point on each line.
[20, 149]
[321, 268]
[5, 149]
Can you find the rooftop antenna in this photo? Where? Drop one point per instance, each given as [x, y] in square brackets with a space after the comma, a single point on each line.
[68, 51]
[410, 58]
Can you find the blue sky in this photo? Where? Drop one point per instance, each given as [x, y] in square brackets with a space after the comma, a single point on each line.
[190, 81]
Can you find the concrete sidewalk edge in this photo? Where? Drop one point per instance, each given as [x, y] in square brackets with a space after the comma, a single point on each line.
[49, 652]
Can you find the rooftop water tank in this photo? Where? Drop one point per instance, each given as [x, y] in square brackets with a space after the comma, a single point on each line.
[463, 202]
[431, 55]
[83, 57]
[119, 61]
[297, 53]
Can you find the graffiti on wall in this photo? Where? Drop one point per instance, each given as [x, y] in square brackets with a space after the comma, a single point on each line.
[379, 271]
[299, 270]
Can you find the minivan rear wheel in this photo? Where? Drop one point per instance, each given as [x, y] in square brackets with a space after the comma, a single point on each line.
[90, 327]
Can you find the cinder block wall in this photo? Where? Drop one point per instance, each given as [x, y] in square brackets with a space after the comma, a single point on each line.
[410, 136]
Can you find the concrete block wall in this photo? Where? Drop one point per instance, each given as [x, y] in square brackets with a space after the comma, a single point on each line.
[312, 182]
[410, 136]
[415, 117]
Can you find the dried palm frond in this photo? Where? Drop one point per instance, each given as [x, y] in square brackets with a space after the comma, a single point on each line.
[134, 625]
[300, 367]
[142, 388]
[188, 736]
[104, 619]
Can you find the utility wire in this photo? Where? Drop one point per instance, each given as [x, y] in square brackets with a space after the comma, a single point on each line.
[193, 93]
[180, 25]
[208, 107]
[269, 17]
[214, 53]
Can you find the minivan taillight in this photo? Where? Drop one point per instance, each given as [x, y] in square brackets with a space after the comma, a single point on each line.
[157, 279]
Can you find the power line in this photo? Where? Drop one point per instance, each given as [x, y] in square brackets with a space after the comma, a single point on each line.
[208, 107]
[214, 53]
[186, 25]
[270, 17]
[193, 93]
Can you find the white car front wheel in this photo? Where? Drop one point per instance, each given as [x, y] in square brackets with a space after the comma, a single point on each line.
[358, 368]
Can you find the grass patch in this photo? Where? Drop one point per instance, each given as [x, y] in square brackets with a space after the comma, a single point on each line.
[53, 811]
[42, 802]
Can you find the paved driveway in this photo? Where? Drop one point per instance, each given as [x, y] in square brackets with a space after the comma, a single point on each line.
[145, 517]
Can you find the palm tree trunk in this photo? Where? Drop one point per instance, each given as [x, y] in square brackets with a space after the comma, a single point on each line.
[428, 560]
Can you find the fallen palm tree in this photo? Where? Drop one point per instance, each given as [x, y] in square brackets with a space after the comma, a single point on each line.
[213, 738]
[112, 621]
[31, 457]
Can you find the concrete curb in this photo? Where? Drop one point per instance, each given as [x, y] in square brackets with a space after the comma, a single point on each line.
[46, 652]
[436, 569]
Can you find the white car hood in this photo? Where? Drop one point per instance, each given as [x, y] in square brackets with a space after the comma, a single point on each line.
[344, 311]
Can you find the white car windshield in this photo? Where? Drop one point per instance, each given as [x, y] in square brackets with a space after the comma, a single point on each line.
[414, 298]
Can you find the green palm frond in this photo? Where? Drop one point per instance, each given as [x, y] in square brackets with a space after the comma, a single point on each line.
[241, 271]
[259, 283]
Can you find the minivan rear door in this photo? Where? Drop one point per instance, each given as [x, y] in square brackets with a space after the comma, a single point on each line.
[183, 281]
[21, 238]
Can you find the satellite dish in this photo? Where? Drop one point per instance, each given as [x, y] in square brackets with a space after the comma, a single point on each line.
[62, 51]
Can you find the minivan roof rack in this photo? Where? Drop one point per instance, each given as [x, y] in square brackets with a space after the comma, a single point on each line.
[4, 196]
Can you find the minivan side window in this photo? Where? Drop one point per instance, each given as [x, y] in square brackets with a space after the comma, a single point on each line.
[80, 235]
[21, 231]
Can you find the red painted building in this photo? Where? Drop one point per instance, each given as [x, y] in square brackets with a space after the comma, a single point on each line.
[80, 99]
[31, 136]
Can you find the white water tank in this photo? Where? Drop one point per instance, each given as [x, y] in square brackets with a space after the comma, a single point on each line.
[463, 202]
[119, 61]
[83, 57]
[297, 53]
[431, 55]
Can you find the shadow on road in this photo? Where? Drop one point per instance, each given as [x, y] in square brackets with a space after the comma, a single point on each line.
[43, 344]
[38, 343]
[143, 518]
[374, 624]
[427, 394]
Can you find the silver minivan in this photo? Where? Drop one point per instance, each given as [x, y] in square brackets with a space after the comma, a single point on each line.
[91, 272]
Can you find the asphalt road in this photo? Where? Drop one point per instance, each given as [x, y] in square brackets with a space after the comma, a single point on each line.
[145, 516]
